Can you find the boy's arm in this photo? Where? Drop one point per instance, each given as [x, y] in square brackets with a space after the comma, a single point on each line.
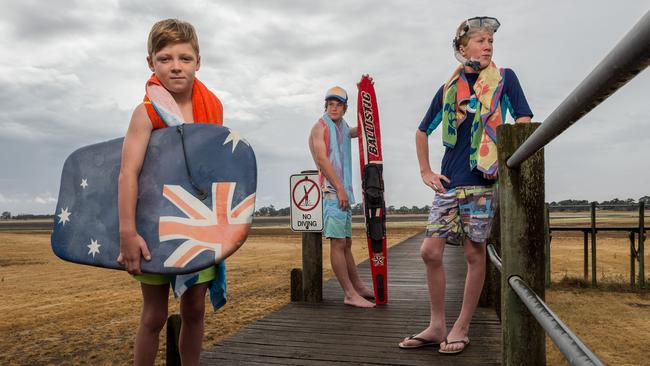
[319, 153]
[132, 245]
[429, 178]
[353, 132]
[518, 102]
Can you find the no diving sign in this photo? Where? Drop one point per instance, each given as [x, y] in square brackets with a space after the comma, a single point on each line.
[306, 203]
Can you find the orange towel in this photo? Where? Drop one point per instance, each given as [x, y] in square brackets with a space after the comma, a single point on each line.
[206, 107]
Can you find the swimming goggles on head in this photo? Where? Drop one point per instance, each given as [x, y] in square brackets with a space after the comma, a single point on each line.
[477, 23]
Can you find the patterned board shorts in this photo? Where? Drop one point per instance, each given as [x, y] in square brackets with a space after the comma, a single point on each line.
[337, 223]
[462, 212]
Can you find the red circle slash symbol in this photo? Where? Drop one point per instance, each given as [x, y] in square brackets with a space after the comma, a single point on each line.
[302, 200]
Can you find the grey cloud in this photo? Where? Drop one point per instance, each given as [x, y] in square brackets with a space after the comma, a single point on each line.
[78, 69]
[38, 21]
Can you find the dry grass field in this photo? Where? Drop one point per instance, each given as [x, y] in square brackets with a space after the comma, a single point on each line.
[613, 321]
[54, 312]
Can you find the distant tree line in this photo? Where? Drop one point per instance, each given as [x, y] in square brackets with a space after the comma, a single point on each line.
[615, 204]
[356, 210]
[272, 211]
[6, 215]
[565, 205]
[629, 204]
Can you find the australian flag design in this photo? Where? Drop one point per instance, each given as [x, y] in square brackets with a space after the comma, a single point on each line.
[184, 230]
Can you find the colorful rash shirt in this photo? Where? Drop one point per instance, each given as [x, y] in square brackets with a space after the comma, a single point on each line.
[455, 162]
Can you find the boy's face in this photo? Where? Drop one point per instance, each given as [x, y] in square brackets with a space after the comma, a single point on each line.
[479, 47]
[335, 109]
[175, 66]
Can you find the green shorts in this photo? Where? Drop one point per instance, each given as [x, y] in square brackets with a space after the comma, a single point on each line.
[205, 275]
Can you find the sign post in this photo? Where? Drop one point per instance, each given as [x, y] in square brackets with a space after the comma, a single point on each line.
[306, 203]
[307, 217]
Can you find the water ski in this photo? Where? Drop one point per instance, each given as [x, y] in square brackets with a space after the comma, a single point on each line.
[372, 182]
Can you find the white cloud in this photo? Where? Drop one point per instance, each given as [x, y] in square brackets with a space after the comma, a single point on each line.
[46, 199]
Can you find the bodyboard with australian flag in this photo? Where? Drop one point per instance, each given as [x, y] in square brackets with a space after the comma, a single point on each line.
[196, 199]
[372, 182]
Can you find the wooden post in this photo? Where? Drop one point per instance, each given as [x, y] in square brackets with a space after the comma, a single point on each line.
[172, 355]
[547, 244]
[593, 244]
[521, 201]
[296, 285]
[586, 256]
[641, 249]
[312, 267]
[632, 259]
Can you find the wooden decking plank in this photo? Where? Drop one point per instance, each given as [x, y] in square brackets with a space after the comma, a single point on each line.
[398, 357]
[330, 333]
[384, 347]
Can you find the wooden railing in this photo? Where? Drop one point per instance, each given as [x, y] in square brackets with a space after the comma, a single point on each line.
[634, 232]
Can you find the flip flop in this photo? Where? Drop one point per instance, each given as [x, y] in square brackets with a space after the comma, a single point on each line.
[423, 343]
[456, 351]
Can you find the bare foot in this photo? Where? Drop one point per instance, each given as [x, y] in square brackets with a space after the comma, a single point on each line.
[365, 292]
[358, 301]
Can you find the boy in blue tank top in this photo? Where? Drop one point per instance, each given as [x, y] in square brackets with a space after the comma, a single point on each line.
[468, 108]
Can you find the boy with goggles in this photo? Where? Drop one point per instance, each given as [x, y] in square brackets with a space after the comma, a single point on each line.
[468, 108]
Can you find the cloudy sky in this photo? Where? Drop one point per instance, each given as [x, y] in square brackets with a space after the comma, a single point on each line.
[72, 72]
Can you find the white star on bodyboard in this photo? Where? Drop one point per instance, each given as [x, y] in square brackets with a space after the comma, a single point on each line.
[235, 138]
[94, 247]
[64, 215]
[84, 183]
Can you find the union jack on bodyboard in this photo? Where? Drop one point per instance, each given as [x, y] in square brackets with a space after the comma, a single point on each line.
[372, 182]
[195, 203]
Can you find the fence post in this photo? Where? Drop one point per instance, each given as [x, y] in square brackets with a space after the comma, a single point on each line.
[632, 259]
[173, 356]
[586, 255]
[593, 244]
[312, 267]
[296, 285]
[547, 244]
[641, 244]
[521, 201]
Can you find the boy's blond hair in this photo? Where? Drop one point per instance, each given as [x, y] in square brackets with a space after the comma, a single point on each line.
[170, 31]
[464, 39]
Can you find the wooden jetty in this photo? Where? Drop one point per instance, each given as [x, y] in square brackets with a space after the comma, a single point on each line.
[331, 333]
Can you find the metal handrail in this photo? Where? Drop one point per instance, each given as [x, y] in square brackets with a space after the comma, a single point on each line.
[629, 57]
[576, 352]
[494, 257]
